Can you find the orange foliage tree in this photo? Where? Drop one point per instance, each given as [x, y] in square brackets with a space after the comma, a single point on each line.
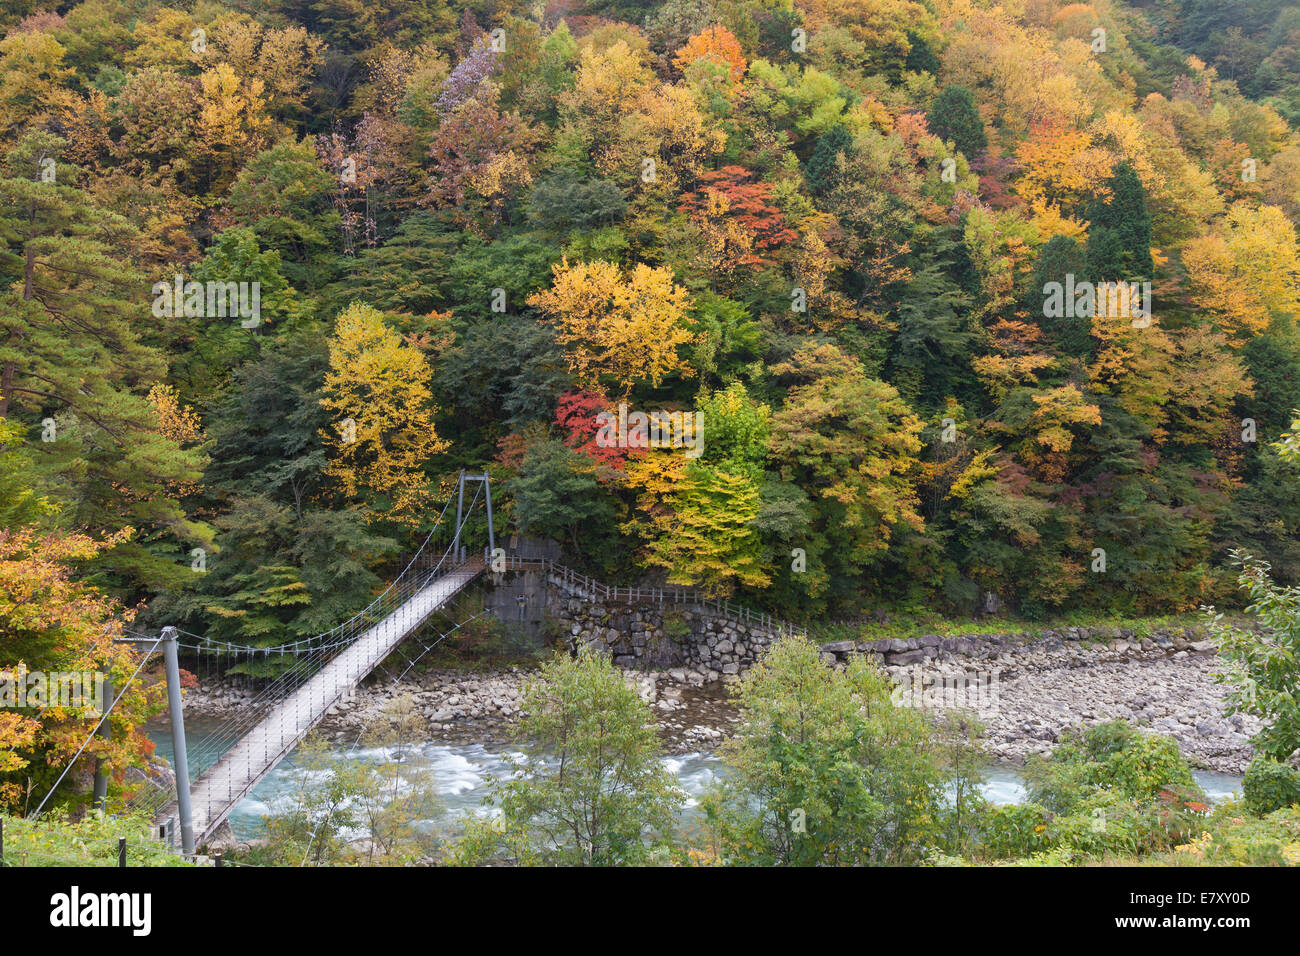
[52, 622]
[717, 44]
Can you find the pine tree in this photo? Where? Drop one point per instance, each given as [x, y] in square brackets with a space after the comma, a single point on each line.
[823, 166]
[954, 116]
[1119, 239]
[71, 315]
[920, 58]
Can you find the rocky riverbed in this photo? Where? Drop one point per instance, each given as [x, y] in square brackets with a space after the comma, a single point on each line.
[1038, 694]
[1027, 692]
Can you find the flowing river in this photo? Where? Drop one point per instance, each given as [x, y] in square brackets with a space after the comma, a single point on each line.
[461, 773]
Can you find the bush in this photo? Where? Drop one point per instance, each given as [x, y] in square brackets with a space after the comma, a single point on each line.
[1110, 756]
[1263, 660]
[1108, 826]
[1014, 830]
[824, 769]
[1230, 838]
[1146, 767]
[1270, 785]
[593, 792]
[1110, 823]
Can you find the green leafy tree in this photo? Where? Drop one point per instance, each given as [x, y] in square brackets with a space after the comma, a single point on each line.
[1112, 755]
[285, 194]
[372, 812]
[823, 769]
[727, 339]
[1264, 666]
[209, 348]
[594, 793]
[556, 494]
[851, 443]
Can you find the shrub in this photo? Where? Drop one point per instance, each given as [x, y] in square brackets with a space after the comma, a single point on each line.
[1110, 756]
[1014, 830]
[593, 792]
[824, 769]
[1263, 662]
[1106, 826]
[1148, 765]
[1270, 785]
[1231, 838]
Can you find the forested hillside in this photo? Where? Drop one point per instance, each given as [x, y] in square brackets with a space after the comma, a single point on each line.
[850, 237]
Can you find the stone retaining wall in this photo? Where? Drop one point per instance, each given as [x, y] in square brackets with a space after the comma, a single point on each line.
[893, 652]
[710, 647]
[659, 636]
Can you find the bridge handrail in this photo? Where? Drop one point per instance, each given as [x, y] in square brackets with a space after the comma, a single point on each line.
[692, 597]
[403, 586]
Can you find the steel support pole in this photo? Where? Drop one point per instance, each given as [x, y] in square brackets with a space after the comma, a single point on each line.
[182, 766]
[99, 798]
[492, 540]
[460, 508]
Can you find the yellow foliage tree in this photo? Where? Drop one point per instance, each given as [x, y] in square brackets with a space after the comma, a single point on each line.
[1060, 165]
[1135, 365]
[284, 61]
[165, 38]
[232, 118]
[180, 423]
[32, 75]
[1024, 69]
[624, 327]
[1055, 411]
[1247, 274]
[52, 622]
[618, 116]
[377, 392]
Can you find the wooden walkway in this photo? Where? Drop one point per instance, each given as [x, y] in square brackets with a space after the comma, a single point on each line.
[241, 768]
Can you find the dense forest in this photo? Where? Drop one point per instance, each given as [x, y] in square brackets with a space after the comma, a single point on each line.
[865, 243]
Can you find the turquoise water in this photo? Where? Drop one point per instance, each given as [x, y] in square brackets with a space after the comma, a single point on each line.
[462, 773]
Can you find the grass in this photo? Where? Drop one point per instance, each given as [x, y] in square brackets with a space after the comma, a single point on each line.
[90, 841]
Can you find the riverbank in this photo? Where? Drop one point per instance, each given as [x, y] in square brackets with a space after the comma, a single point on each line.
[1031, 689]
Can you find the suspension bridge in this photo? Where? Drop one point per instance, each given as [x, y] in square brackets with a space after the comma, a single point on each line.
[306, 678]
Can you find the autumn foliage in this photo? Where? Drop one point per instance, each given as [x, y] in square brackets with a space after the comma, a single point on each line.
[716, 44]
[828, 227]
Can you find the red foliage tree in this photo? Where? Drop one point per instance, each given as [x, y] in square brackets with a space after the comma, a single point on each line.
[747, 204]
[577, 415]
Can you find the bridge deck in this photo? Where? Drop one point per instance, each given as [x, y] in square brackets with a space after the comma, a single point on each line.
[240, 769]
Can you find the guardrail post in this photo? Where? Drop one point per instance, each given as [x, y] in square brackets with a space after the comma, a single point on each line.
[121, 851]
